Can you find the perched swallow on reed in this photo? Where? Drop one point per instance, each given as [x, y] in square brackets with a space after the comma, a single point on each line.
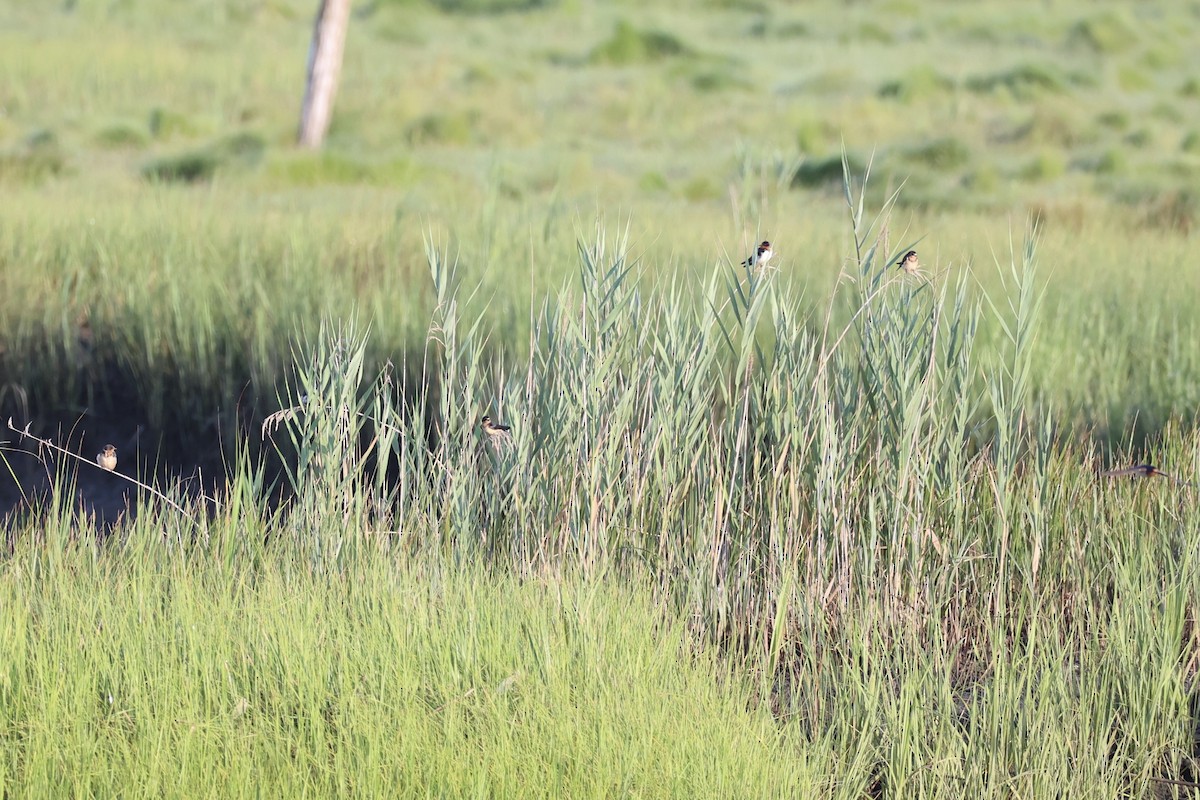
[494, 428]
[761, 256]
[496, 433]
[910, 263]
[107, 458]
[1140, 471]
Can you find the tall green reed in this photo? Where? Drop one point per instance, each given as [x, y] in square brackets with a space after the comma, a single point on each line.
[731, 447]
[868, 509]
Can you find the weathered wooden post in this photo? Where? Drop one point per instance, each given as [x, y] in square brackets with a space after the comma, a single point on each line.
[324, 66]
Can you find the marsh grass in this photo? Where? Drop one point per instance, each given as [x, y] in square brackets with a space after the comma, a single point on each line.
[268, 236]
[914, 584]
[200, 672]
[857, 562]
[827, 530]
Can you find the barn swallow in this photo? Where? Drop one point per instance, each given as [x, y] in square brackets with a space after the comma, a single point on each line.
[494, 428]
[761, 256]
[107, 458]
[910, 263]
[1140, 471]
[497, 434]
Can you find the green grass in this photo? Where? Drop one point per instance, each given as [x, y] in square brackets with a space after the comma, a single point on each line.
[144, 672]
[867, 570]
[827, 531]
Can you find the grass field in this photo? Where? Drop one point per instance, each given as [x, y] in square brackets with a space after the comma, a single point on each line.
[828, 531]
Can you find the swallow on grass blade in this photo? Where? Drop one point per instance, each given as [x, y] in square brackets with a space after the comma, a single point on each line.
[107, 458]
[910, 263]
[761, 256]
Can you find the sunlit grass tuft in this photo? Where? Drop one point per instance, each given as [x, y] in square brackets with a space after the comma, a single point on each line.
[209, 673]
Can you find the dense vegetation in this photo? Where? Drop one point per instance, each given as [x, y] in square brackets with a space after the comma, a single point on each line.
[822, 530]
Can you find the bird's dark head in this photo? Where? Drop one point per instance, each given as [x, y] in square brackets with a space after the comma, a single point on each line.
[909, 256]
[486, 421]
[765, 246]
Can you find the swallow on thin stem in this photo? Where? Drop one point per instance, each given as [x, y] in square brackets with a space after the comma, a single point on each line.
[494, 428]
[1140, 471]
[761, 256]
[496, 433]
[107, 458]
[910, 263]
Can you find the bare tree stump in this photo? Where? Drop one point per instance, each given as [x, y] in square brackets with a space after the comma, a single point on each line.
[324, 66]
